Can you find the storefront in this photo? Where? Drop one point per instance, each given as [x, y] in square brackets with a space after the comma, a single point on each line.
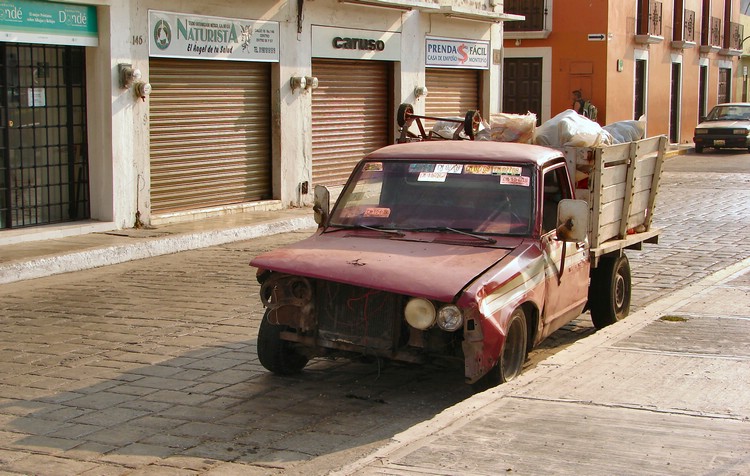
[453, 72]
[210, 111]
[351, 105]
[43, 127]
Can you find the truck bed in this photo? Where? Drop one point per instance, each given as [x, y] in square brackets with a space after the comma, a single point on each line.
[620, 183]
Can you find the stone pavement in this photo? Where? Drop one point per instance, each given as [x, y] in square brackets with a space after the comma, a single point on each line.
[663, 392]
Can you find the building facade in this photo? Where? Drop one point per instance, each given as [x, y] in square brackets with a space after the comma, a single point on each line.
[121, 113]
[667, 61]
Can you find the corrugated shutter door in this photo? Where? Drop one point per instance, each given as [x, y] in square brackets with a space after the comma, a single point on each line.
[350, 116]
[451, 92]
[210, 133]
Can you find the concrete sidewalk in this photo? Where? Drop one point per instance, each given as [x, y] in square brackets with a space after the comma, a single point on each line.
[35, 259]
[664, 391]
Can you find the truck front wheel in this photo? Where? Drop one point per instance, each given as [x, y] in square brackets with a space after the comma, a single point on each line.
[512, 355]
[609, 292]
[275, 354]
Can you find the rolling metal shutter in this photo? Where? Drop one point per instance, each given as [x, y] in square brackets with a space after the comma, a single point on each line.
[210, 133]
[350, 116]
[451, 92]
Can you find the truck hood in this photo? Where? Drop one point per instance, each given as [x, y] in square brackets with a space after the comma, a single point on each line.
[431, 270]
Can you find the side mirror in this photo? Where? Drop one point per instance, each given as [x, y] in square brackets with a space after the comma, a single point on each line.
[321, 204]
[572, 220]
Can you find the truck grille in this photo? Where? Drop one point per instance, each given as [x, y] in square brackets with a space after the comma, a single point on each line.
[358, 316]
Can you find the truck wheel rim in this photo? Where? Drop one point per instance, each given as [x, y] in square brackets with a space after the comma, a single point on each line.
[619, 292]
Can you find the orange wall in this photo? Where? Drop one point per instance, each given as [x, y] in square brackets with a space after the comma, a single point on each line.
[576, 61]
[612, 91]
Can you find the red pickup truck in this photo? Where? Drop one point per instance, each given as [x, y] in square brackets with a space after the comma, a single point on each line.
[470, 251]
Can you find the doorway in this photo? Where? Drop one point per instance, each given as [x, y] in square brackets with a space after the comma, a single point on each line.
[522, 86]
[43, 139]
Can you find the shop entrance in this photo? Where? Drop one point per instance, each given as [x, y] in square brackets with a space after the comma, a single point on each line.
[43, 149]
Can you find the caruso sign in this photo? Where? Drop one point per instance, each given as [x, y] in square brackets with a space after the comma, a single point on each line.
[451, 53]
[355, 44]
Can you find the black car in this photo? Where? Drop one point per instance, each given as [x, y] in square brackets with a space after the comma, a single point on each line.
[727, 126]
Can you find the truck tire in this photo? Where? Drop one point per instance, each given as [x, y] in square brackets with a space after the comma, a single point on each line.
[512, 355]
[698, 149]
[277, 355]
[405, 110]
[472, 120]
[609, 292]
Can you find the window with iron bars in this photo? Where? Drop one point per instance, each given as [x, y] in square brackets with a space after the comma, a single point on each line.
[649, 17]
[733, 36]
[686, 18]
[535, 12]
[711, 31]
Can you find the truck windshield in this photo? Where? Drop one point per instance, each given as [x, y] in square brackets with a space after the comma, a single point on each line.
[473, 197]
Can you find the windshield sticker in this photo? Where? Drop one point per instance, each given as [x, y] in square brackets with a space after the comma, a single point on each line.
[374, 167]
[449, 168]
[477, 169]
[377, 212]
[515, 180]
[432, 177]
[418, 168]
[506, 170]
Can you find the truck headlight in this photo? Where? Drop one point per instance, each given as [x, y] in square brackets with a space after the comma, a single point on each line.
[449, 318]
[420, 313]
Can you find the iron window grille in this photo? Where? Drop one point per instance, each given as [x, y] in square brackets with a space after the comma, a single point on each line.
[535, 12]
[733, 37]
[43, 137]
[649, 18]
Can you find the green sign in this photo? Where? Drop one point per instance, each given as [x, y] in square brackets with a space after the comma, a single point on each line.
[28, 21]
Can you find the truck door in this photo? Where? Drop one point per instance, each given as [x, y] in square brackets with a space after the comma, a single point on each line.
[566, 289]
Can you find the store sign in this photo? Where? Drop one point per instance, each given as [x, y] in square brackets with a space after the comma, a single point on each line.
[174, 35]
[49, 23]
[450, 53]
[342, 43]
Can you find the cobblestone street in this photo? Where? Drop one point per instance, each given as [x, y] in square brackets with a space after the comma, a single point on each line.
[150, 367]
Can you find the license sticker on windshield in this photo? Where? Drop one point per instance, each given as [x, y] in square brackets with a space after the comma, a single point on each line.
[417, 168]
[477, 169]
[449, 168]
[432, 177]
[374, 167]
[506, 170]
[515, 180]
[377, 212]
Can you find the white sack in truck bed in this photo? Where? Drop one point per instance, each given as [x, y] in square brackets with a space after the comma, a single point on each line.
[512, 127]
[570, 129]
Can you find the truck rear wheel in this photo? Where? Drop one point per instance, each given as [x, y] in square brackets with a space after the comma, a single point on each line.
[275, 354]
[609, 292]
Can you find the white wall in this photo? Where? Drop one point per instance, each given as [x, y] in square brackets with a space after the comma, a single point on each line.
[119, 122]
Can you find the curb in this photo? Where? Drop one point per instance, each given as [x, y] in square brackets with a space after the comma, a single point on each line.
[147, 248]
